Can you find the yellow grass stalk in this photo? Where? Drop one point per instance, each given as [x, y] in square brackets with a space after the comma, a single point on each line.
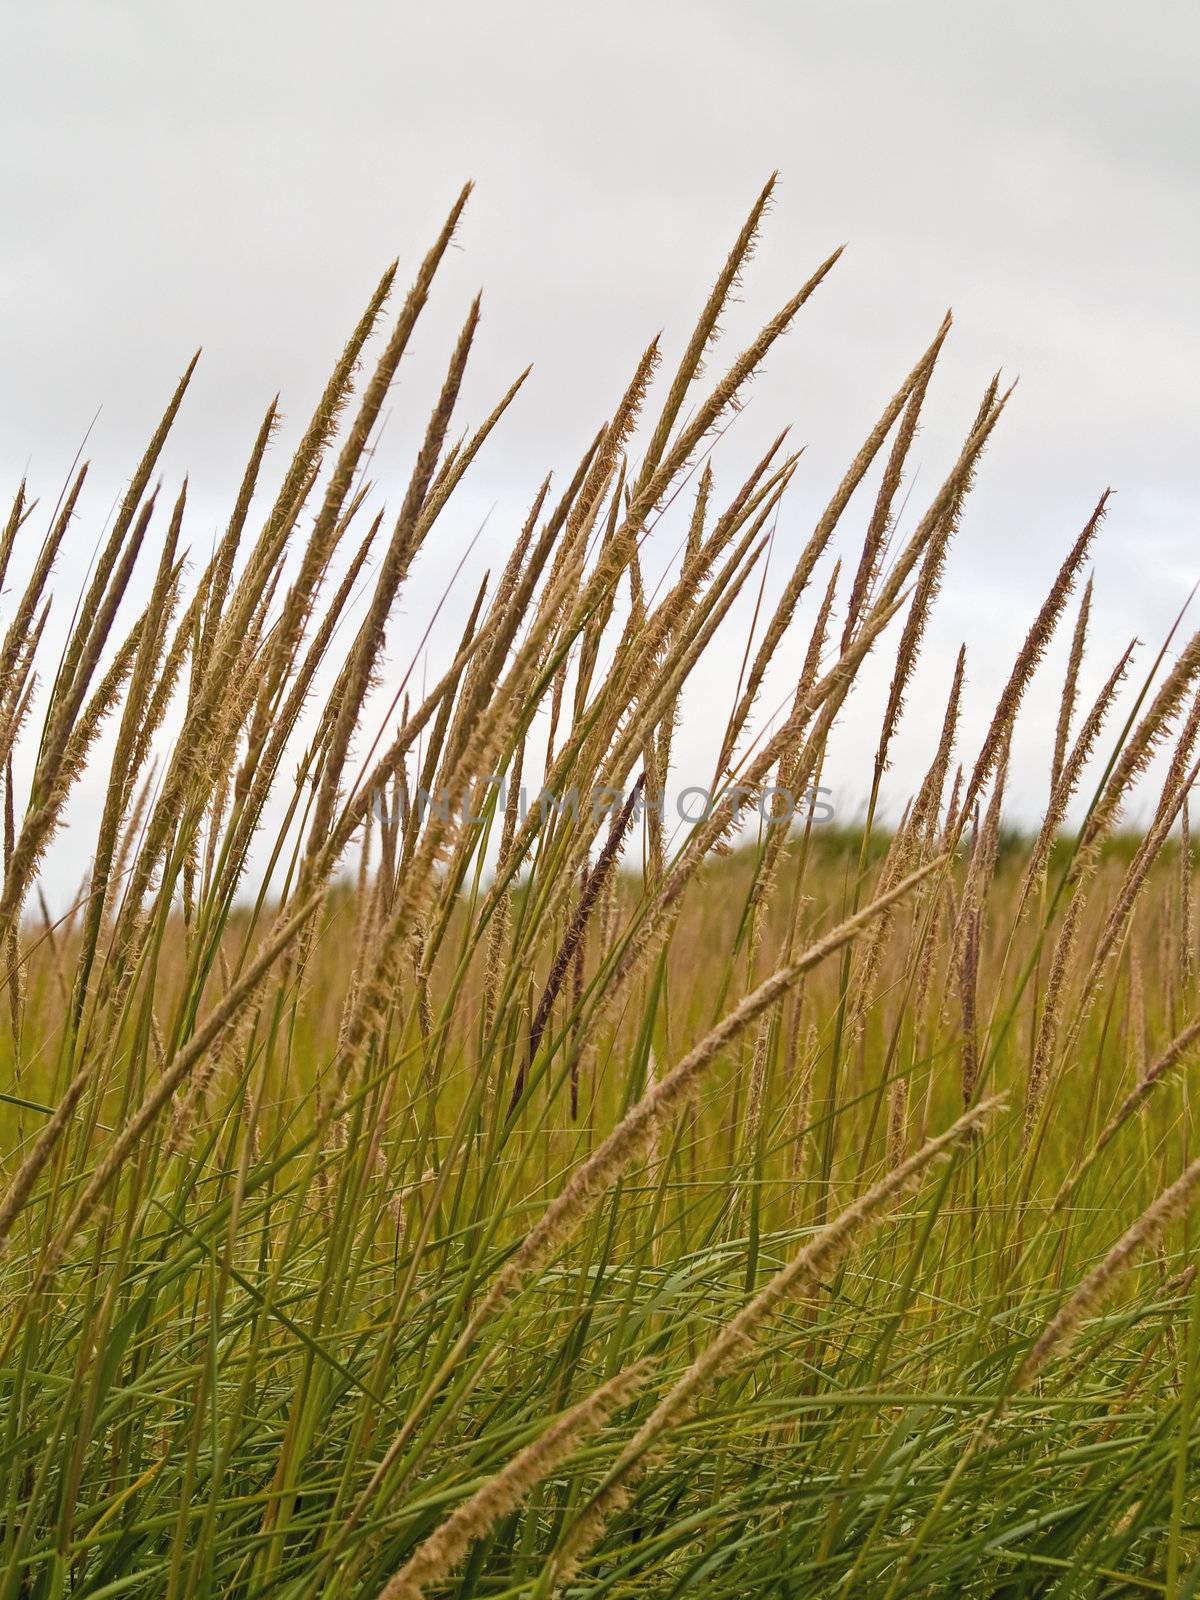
[735, 1341]
[1069, 776]
[874, 546]
[437, 1556]
[1030, 655]
[1048, 1025]
[631, 1137]
[392, 571]
[1094, 1289]
[691, 363]
[1139, 749]
[819, 539]
[1145, 1085]
[928, 586]
[1066, 706]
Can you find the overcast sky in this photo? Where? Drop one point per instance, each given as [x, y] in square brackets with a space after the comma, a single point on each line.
[237, 177]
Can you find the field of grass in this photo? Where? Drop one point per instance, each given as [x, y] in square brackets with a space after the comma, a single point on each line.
[403, 1199]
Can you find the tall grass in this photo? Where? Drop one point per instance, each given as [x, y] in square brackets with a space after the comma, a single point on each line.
[416, 1199]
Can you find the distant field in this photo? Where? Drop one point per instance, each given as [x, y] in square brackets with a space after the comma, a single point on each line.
[401, 1201]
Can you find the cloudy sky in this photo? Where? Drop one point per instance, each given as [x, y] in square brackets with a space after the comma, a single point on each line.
[237, 177]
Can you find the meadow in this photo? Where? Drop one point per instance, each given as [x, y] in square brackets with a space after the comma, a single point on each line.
[401, 1199]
